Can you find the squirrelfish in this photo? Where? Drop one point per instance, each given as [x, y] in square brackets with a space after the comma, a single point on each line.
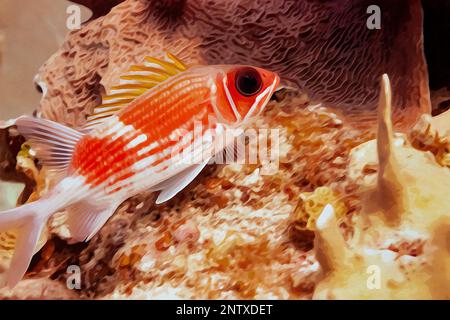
[130, 143]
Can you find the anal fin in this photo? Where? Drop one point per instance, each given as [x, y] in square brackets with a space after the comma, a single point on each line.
[172, 186]
[86, 218]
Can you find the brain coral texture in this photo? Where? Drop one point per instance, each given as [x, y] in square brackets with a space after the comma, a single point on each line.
[322, 47]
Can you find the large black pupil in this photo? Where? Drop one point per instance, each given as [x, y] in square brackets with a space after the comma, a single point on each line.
[248, 81]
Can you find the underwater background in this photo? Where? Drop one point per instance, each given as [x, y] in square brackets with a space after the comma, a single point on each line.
[252, 235]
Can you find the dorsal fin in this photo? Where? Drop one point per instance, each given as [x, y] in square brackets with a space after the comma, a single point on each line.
[134, 83]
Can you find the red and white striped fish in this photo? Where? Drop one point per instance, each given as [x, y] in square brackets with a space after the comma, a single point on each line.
[129, 143]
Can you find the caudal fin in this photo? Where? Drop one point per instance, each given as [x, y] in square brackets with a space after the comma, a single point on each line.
[54, 145]
[29, 220]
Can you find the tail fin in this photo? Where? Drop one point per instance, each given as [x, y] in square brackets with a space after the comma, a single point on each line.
[54, 145]
[29, 220]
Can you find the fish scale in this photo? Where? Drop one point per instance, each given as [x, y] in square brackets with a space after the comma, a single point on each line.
[183, 106]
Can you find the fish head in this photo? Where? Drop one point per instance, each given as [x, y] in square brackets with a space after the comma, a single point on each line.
[242, 92]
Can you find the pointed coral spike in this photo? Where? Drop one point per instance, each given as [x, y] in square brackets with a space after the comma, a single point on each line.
[385, 135]
[331, 248]
[390, 190]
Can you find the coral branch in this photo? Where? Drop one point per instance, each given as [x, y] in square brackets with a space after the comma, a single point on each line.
[330, 246]
[390, 189]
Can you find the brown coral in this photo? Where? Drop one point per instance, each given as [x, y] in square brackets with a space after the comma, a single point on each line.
[323, 48]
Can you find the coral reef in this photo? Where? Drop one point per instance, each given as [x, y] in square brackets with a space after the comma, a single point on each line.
[151, 251]
[342, 208]
[402, 230]
[241, 228]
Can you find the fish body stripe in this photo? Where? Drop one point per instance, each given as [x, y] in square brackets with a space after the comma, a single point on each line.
[143, 136]
[191, 147]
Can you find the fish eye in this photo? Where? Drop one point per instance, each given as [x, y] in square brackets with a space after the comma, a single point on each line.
[248, 81]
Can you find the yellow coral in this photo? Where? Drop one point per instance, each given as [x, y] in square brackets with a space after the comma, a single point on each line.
[26, 164]
[311, 204]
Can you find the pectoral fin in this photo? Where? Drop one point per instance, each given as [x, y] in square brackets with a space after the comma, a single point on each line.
[172, 186]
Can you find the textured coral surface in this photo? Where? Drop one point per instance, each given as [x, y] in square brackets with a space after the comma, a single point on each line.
[401, 233]
[234, 232]
[232, 223]
[322, 47]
